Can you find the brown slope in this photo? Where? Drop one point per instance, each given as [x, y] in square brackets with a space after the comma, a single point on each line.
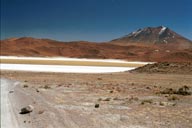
[46, 47]
[41, 47]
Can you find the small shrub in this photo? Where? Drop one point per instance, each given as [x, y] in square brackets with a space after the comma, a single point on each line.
[149, 101]
[46, 87]
[133, 98]
[25, 86]
[142, 103]
[116, 98]
[168, 91]
[173, 98]
[100, 99]
[185, 90]
[99, 78]
[59, 85]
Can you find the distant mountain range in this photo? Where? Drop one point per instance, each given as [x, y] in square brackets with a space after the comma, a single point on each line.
[148, 44]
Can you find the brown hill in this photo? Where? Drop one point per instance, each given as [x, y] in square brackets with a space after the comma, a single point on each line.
[166, 67]
[27, 46]
[45, 47]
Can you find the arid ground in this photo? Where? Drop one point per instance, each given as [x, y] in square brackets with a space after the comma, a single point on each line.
[117, 100]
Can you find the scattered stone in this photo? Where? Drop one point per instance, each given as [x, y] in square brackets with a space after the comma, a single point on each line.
[161, 103]
[11, 91]
[96, 105]
[174, 104]
[37, 90]
[107, 99]
[166, 104]
[24, 121]
[41, 112]
[27, 109]
[148, 87]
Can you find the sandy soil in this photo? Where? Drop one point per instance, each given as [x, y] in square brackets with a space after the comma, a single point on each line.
[126, 100]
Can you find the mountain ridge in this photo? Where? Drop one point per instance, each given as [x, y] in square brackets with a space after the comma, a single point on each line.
[159, 52]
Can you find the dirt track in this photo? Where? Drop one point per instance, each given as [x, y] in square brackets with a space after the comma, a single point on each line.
[8, 118]
[127, 100]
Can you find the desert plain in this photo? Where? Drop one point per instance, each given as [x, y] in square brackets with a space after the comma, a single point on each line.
[112, 100]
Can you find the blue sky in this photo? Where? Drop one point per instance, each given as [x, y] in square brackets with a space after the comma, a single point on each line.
[92, 20]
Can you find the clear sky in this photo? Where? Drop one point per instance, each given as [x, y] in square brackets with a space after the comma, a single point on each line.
[92, 20]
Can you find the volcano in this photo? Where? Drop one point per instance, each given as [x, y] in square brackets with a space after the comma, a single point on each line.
[153, 35]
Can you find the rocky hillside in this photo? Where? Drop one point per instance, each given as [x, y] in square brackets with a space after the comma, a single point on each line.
[166, 67]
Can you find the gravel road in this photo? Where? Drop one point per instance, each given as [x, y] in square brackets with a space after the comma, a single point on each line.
[8, 118]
